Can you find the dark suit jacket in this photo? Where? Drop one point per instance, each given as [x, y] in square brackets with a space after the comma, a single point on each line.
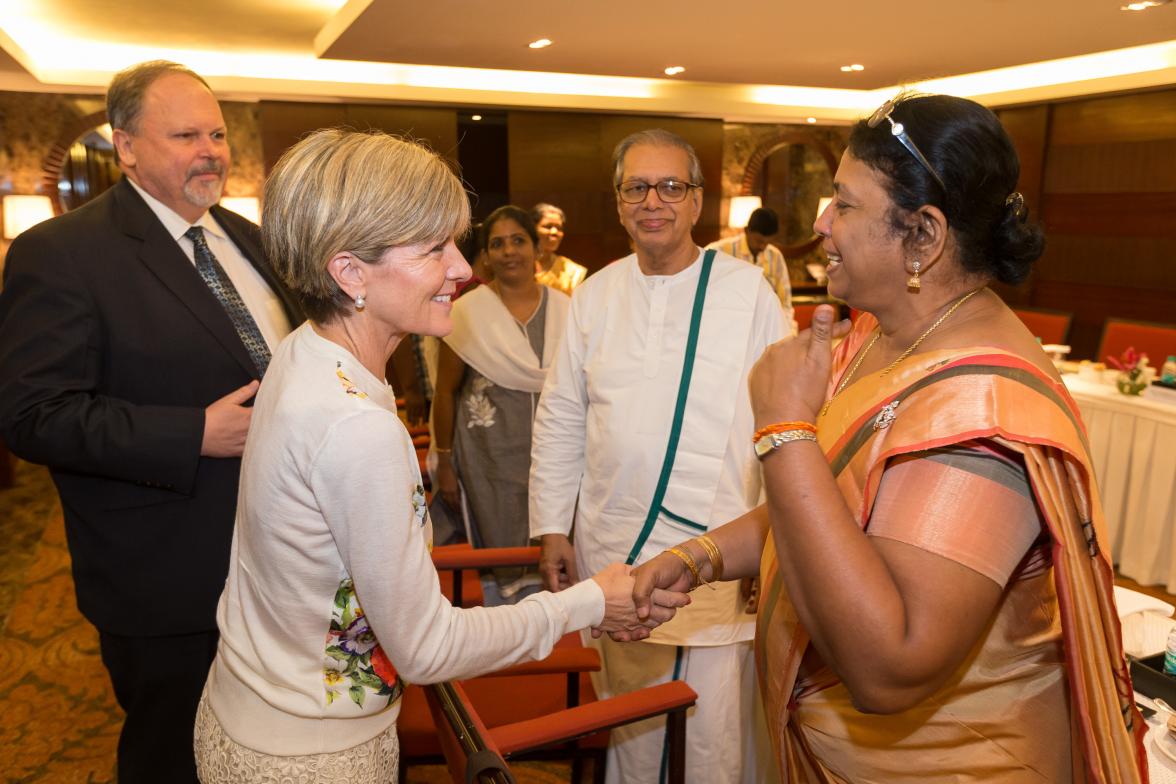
[111, 346]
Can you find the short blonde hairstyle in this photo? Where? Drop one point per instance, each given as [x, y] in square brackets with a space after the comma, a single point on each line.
[339, 190]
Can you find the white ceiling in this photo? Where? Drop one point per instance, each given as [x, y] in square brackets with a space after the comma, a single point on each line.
[764, 59]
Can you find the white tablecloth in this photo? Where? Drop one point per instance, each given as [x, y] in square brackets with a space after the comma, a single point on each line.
[1133, 446]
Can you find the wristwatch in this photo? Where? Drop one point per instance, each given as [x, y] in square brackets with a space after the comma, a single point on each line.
[770, 443]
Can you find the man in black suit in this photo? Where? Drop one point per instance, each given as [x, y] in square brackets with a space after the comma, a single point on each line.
[130, 347]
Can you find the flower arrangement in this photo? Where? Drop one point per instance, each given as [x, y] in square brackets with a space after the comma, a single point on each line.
[1132, 369]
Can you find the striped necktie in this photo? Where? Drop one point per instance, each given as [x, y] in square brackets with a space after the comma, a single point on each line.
[225, 292]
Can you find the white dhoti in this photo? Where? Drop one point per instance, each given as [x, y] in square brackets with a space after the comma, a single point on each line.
[723, 676]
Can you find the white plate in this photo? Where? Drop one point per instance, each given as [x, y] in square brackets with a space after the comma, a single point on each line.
[1163, 741]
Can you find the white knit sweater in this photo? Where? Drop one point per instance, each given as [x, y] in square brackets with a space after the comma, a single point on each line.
[332, 601]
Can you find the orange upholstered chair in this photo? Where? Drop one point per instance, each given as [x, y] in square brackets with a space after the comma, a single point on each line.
[803, 314]
[1158, 341]
[554, 684]
[1049, 326]
[475, 752]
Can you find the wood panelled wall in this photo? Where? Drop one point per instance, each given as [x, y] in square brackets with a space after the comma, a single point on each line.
[566, 159]
[1100, 175]
[558, 157]
[285, 122]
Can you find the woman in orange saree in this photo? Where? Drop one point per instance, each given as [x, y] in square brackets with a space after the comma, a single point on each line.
[937, 604]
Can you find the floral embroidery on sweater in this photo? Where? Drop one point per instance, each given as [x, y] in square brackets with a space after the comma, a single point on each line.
[354, 655]
[420, 504]
[348, 385]
[479, 408]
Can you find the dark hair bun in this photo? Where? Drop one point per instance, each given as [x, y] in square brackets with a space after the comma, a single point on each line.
[1015, 244]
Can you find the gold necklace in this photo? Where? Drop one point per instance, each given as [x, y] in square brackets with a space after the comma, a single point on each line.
[849, 376]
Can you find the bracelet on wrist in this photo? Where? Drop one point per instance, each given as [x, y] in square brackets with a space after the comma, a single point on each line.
[688, 559]
[770, 443]
[714, 555]
[781, 427]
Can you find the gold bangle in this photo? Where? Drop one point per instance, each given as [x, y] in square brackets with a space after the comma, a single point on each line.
[715, 556]
[690, 564]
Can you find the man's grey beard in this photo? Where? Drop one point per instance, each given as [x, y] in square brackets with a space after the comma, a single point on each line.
[203, 196]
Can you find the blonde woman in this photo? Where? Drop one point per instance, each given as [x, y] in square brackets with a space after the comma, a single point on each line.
[332, 603]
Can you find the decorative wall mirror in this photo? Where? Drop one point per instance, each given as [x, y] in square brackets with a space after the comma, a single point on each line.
[791, 173]
[80, 164]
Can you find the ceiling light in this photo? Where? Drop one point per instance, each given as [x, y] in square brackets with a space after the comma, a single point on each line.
[857, 67]
[811, 120]
[475, 117]
[674, 70]
[1143, 5]
[542, 43]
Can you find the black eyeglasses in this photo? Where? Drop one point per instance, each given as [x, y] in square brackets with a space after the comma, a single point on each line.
[669, 191]
[883, 113]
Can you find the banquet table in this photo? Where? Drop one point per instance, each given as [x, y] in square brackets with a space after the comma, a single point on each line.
[1133, 447]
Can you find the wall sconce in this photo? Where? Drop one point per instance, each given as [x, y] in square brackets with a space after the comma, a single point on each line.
[741, 209]
[24, 212]
[245, 206]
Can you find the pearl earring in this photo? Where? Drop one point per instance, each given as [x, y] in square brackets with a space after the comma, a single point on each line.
[360, 302]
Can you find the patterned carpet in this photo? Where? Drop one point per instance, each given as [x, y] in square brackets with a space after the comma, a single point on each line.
[59, 722]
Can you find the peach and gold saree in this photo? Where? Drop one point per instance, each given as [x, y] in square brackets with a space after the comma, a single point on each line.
[1045, 695]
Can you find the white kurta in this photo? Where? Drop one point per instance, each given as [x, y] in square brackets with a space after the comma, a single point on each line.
[605, 417]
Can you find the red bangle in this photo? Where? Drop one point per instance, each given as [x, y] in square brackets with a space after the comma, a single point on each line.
[780, 427]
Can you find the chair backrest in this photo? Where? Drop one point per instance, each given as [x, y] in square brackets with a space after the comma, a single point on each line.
[1158, 341]
[803, 313]
[470, 751]
[1050, 326]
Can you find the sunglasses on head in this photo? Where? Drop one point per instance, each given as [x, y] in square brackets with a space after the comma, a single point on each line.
[896, 129]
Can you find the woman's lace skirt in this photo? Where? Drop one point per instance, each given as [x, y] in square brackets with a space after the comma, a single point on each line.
[221, 760]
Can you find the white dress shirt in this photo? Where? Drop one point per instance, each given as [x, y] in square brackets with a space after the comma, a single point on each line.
[265, 306]
[770, 260]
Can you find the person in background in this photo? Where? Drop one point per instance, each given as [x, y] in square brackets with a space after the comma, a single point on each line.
[937, 586]
[492, 368]
[754, 245]
[133, 332]
[551, 269]
[641, 437]
[332, 603]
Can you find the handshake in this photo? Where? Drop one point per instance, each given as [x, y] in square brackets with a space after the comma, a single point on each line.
[636, 600]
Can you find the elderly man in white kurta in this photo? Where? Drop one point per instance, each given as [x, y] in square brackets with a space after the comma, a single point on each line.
[643, 438]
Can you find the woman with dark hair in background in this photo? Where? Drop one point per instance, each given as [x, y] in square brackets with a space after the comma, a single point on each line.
[491, 370]
[552, 269]
[937, 596]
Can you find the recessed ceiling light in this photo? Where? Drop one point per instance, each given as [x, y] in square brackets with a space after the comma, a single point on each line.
[674, 70]
[811, 120]
[854, 67]
[542, 43]
[1143, 5]
[475, 117]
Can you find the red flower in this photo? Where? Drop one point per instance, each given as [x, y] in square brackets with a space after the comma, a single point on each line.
[1128, 362]
[383, 667]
